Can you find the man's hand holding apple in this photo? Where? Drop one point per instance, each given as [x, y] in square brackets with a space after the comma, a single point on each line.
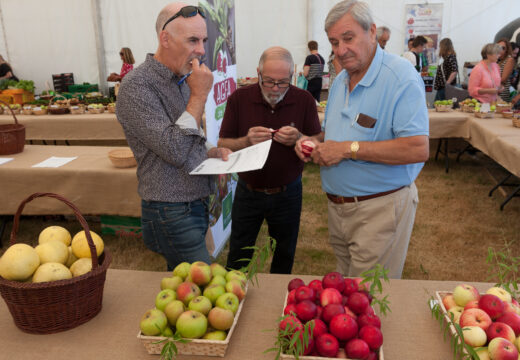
[257, 134]
[287, 135]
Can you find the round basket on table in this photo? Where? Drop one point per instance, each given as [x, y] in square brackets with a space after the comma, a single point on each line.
[516, 122]
[12, 136]
[58, 109]
[50, 307]
[122, 158]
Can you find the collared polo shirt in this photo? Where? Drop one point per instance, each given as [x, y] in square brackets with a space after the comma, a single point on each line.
[391, 92]
[247, 108]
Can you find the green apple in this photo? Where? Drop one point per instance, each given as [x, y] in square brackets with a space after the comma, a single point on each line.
[173, 310]
[492, 108]
[483, 353]
[171, 282]
[228, 301]
[501, 293]
[212, 292]
[153, 322]
[187, 291]
[182, 270]
[167, 332]
[215, 335]
[218, 280]
[201, 304]
[236, 287]
[221, 319]
[236, 275]
[192, 324]
[163, 298]
[200, 273]
[217, 269]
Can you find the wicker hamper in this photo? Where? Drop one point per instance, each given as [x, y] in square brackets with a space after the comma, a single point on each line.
[12, 136]
[50, 307]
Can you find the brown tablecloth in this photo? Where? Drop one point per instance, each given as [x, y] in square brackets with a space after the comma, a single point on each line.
[410, 333]
[451, 124]
[69, 127]
[91, 182]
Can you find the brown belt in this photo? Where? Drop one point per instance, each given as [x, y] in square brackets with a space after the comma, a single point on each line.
[344, 199]
[267, 191]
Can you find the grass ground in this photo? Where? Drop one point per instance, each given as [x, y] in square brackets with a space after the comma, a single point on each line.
[456, 223]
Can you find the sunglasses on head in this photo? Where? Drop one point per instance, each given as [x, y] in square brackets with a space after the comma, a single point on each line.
[186, 12]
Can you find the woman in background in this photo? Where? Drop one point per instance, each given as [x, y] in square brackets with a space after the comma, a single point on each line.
[128, 65]
[506, 64]
[447, 71]
[484, 80]
[334, 68]
[6, 72]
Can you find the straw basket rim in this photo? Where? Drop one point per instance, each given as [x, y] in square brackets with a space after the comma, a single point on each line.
[122, 158]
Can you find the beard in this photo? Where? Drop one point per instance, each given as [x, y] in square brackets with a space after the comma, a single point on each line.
[273, 98]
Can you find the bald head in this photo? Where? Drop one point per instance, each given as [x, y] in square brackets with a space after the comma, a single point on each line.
[276, 53]
[167, 12]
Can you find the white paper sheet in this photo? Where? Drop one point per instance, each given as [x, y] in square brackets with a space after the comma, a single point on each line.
[54, 162]
[5, 160]
[250, 158]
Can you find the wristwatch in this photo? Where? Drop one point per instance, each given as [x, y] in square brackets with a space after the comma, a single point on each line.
[354, 147]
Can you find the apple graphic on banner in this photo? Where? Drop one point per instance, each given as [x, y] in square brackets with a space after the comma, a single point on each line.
[295, 284]
[511, 319]
[217, 269]
[201, 304]
[357, 349]
[343, 327]
[464, 293]
[455, 313]
[475, 317]
[192, 324]
[368, 319]
[236, 287]
[334, 280]
[212, 292]
[217, 335]
[474, 336]
[163, 298]
[492, 305]
[330, 296]
[173, 310]
[448, 301]
[200, 273]
[228, 301]
[304, 293]
[306, 310]
[502, 349]
[357, 302]
[498, 329]
[187, 291]
[372, 336]
[327, 345]
[171, 282]
[501, 293]
[351, 286]
[221, 319]
[153, 322]
[218, 280]
[319, 328]
[182, 270]
[330, 311]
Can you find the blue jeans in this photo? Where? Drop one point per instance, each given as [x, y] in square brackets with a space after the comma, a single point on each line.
[177, 231]
[282, 213]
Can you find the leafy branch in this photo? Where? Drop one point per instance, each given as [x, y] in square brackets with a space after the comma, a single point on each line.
[260, 257]
[461, 350]
[292, 340]
[373, 277]
[169, 350]
[503, 267]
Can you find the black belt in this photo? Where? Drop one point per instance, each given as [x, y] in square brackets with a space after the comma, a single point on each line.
[346, 199]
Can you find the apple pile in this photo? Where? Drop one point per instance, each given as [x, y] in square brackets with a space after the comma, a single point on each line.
[345, 324]
[490, 322]
[197, 301]
[58, 256]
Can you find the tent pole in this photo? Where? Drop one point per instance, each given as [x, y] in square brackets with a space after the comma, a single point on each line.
[3, 33]
[100, 46]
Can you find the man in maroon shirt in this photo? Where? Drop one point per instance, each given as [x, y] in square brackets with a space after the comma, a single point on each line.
[271, 109]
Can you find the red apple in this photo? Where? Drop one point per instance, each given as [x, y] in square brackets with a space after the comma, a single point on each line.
[357, 302]
[330, 311]
[319, 312]
[492, 305]
[330, 296]
[511, 319]
[502, 349]
[369, 310]
[291, 323]
[357, 349]
[464, 293]
[473, 304]
[514, 302]
[327, 345]
[291, 298]
[319, 328]
[344, 300]
[343, 327]
[295, 284]
[304, 293]
[475, 317]
[351, 286]
[307, 147]
[291, 308]
[306, 310]
[362, 287]
[372, 336]
[369, 319]
[498, 329]
[334, 280]
[310, 346]
[372, 356]
[448, 302]
[316, 285]
[350, 312]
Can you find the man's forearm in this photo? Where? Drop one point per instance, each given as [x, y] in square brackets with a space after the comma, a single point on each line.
[234, 144]
[406, 150]
[196, 108]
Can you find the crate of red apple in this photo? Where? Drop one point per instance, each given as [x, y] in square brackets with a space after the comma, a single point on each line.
[342, 322]
[490, 322]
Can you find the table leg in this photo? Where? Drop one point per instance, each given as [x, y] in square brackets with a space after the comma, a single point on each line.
[3, 222]
[438, 149]
[446, 157]
[512, 195]
[500, 183]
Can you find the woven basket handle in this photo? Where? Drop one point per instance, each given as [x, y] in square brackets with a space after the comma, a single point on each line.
[11, 110]
[77, 213]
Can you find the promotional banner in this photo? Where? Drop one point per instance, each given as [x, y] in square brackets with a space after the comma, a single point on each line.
[221, 59]
[425, 20]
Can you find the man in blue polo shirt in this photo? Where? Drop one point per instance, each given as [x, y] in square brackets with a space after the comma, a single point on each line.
[373, 144]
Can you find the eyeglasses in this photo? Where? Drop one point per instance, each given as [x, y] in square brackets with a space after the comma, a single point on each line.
[270, 83]
[121, 53]
[186, 12]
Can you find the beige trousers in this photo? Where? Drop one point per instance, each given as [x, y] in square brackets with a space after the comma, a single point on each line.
[365, 233]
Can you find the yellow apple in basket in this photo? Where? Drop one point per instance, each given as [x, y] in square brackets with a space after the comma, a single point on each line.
[51, 272]
[81, 266]
[80, 244]
[19, 262]
[55, 233]
[72, 258]
[53, 251]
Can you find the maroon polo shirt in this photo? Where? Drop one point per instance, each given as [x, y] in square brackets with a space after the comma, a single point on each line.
[247, 108]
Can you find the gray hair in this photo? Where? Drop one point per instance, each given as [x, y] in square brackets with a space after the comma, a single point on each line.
[276, 53]
[163, 16]
[359, 11]
[490, 49]
[381, 30]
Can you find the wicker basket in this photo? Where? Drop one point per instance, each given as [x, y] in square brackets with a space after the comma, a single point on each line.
[503, 107]
[50, 307]
[96, 111]
[77, 109]
[195, 346]
[12, 136]
[56, 109]
[39, 111]
[27, 110]
[483, 115]
[122, 158]
[111, 109]
[443, 108]
[507, 114]
[516, 122]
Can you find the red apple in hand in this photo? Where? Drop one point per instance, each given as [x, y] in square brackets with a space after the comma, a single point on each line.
[498, 329]
[358, 302]
[343, 327]
[357, 349]
[492, 305]
[330, 311]
[327, 345]
[511, 319]
[295, 284]
[330, 296]
[475, 317]
[307, 147]
[306, 310]
[334, 280]
[372, 336]
[304, 293]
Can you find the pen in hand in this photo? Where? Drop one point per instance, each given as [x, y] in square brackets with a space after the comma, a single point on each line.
[184, 78]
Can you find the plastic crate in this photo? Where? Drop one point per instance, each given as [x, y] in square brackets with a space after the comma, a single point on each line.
[83, 88]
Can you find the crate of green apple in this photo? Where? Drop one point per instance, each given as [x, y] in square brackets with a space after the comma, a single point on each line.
[199, 302]
[490, 322]
[344, 323]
